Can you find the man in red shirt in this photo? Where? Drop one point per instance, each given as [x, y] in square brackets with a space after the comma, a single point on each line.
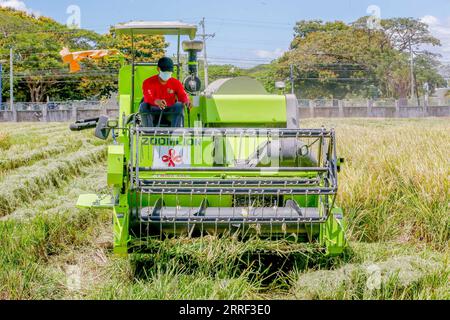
[164, 95]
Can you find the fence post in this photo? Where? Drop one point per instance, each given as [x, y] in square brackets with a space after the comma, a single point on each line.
[397, 108]
[341, 108]
[74, 113]
[425, 105]
[14, 113]
[369, 107]
[311, 108]
[45, 113]
[104, 109]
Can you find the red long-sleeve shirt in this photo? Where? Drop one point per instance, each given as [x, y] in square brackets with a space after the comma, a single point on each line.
[172, 91]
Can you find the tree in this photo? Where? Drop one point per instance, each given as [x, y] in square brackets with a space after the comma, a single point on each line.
[425, 67]
[146, 48]
[407, 34]
[38, 69]
[304, 28]
[36, 43]
[335, 60]
[332, 62]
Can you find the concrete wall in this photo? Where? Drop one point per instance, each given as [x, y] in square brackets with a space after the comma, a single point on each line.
[312, 111]
[374, 112]
[56, 115]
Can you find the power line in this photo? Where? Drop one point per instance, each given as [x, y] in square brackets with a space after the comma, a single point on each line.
[255, 21]
[43, 78]
[67, 81]
[252, 23]
[334, 79]
[242, 59]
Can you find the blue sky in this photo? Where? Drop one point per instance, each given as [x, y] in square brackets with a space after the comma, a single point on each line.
[247, 31]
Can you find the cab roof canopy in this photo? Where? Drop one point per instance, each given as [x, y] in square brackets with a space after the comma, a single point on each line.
[156, 28]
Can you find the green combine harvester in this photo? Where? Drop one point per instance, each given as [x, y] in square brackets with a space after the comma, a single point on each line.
[240, 166]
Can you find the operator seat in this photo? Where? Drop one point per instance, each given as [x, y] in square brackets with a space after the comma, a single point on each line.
[156, 115]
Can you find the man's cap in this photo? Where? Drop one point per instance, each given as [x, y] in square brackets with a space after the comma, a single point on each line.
[165, 64]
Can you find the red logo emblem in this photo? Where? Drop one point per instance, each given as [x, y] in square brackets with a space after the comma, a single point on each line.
[172, 158]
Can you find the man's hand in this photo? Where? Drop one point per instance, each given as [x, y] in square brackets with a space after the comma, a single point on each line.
[162, 104]
[188, 105]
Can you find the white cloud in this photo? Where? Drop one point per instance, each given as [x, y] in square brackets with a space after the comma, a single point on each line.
[266, 54]
[430, 20]
[441, 30]
[14, 4]
[18, 5]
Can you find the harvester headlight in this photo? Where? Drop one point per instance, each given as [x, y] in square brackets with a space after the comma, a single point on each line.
[113, 123]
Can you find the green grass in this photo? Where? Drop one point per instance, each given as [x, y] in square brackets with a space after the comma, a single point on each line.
[394, 189]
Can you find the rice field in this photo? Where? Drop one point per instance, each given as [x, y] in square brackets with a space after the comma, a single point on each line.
[394, 189]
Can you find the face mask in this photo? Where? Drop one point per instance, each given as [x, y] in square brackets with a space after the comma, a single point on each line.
[165, 75]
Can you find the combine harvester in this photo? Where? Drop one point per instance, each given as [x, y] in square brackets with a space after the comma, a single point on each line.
[241, 165]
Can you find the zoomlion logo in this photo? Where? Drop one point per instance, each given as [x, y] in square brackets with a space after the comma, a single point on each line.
[172, 158]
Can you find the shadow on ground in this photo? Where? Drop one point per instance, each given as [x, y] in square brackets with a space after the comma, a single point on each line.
[269, 267]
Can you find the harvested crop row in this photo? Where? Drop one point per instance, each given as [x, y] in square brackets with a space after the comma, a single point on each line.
[20, 142]
[24, 138]
[29, 245]
[29, 128]
[62, 199]
[28, 157]
[407, 275]
[48, 132]
[26, 185]
[33, 139]
[47, 235]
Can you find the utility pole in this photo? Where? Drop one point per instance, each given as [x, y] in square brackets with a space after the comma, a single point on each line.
[11, 79]
[205, 57]
[292, 79]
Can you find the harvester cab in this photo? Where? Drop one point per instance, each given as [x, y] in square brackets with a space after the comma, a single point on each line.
[241, 165]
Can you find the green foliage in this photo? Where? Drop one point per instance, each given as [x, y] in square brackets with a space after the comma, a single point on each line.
[406, 33]
[336, 60]
[146, 48]
[304, 28]
[425, 72]
[39, 71]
